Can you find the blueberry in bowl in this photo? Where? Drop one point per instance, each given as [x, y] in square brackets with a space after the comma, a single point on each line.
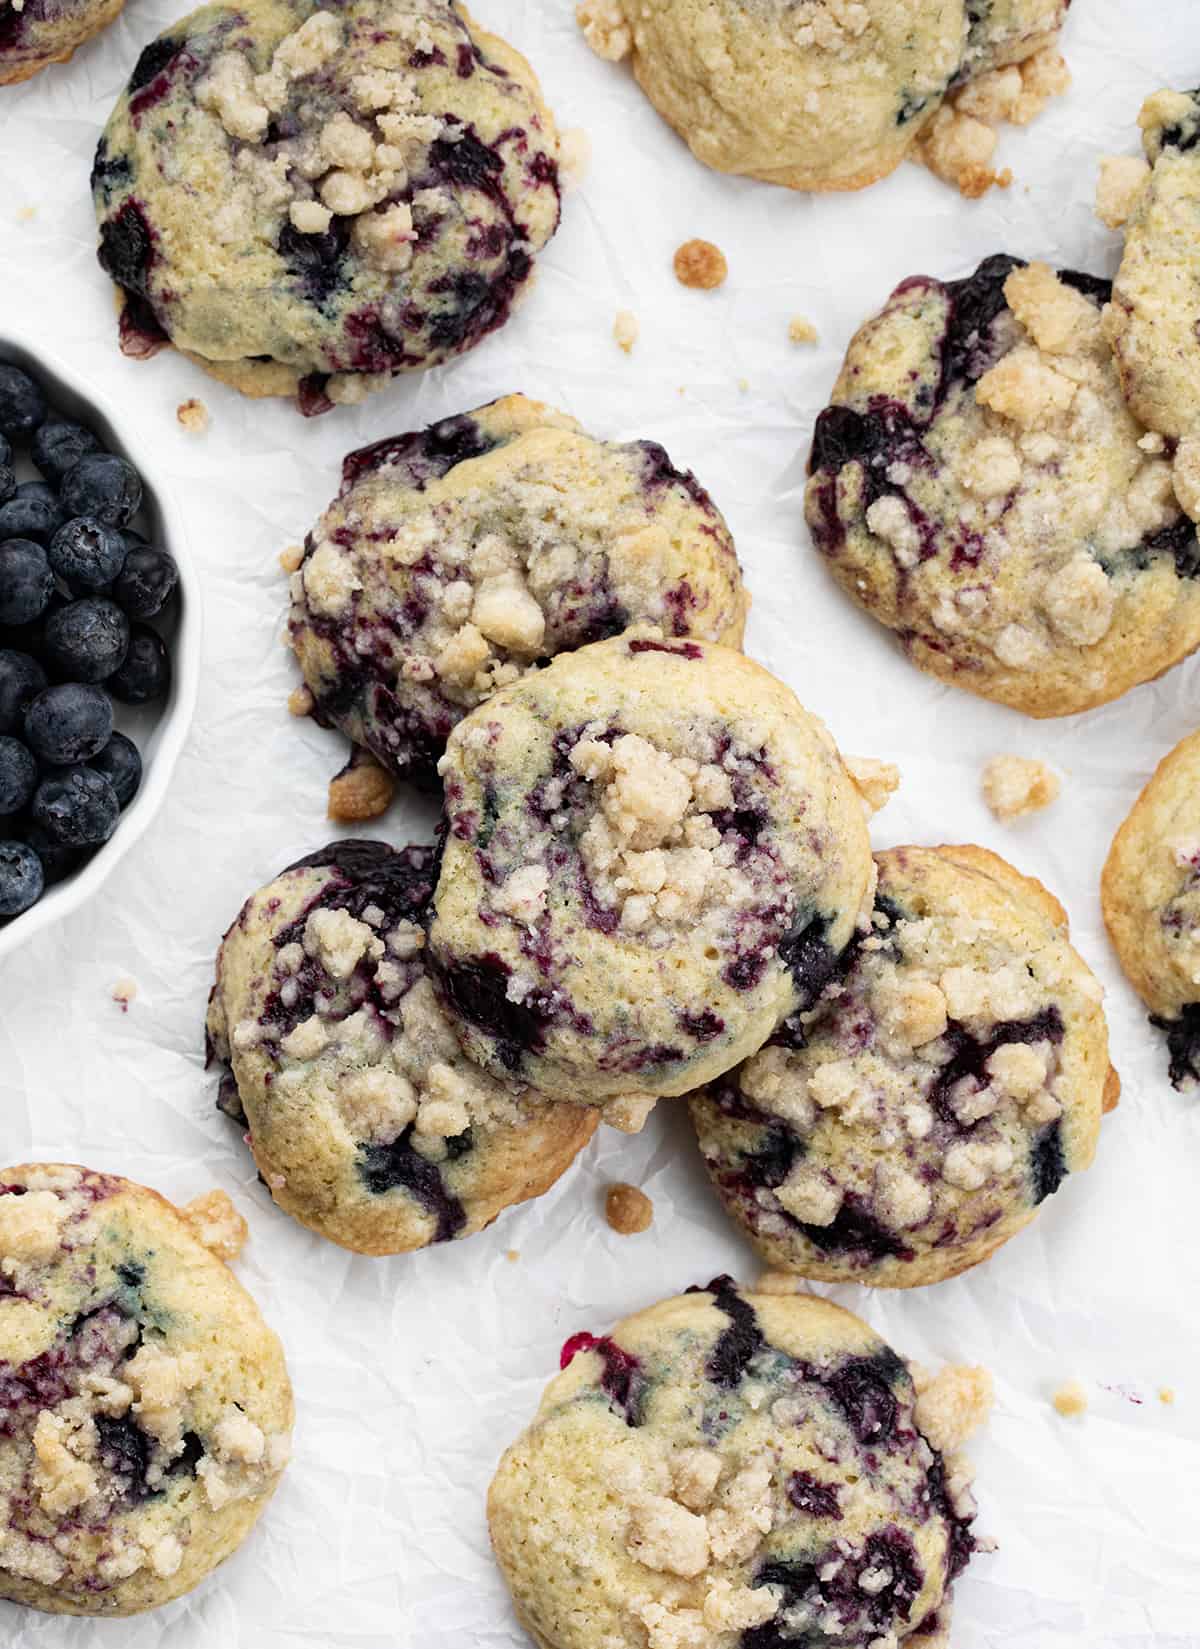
[99, 641]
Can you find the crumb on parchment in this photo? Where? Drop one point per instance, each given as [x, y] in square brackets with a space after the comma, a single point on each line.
[124, 992]
[802, 331]
[1070, 1399]
[217, 1223]
[292, 558]
[628, 1210]
[300, 702]
[700, 265]
[1016, 785]
[626, 329]
[364, 790]
[193, 415]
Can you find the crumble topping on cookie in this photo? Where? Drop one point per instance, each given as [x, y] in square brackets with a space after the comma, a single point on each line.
[217, 1223]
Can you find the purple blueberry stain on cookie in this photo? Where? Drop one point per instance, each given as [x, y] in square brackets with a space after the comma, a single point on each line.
[383, 1168]
[127, 247]
[421, 456]
[969, 1055]
[477, 989]
[1183, 1044]
[623, 1379]
[814, 1498]
[863, 1389]
[866, 1589]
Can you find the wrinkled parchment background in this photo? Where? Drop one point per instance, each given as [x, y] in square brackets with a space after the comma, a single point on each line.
[412, 1373]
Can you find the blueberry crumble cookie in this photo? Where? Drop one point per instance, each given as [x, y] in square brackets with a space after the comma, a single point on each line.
[457, 558]
[1151, 899]
[367, 1122]
[145, 1409]
[34, 33]
[654, 854]
[980, 486]
[730, 1470]
[309, 199]
[1156, 294]
[945, 1085]
[833, 94]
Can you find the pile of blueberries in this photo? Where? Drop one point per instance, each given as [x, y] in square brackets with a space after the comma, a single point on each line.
[77, 586]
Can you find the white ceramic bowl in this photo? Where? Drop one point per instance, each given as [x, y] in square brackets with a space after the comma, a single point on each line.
[159, 729]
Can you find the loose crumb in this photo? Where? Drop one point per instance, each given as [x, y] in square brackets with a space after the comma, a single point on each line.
[512, 1255]
[217, 1223]
[300, 702]
[627, 1209]
[802, 331]
[124, 992]
[700, 264]
[26, 214]
[876, 782]
[780, 1282]
[604, 28]
[1166, 1395]
[574, 157]
[1070, 1399]
[626, 329]
[292, 558]
[193, 415]
[628, 1112]
[362, 791]
[1016, 785]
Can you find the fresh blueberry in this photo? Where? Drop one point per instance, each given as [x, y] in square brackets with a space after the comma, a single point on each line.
[22, 404]
[21, 878]
[21, 680]
[33, 512]
[146, 582]
[8, 481]
[121, 765]
[18, 777]
[87, 640]
[25, 581]
[103, 485]
[58, 445]
[77, 808]
[5, 452]
[69, 724]
[57, 859]
[146, 672]
[86, 554]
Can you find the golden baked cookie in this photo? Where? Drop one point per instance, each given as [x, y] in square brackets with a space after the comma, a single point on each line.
[729, 1468]
[35, 33]
[941, 1090]
[308, 201]
[458, 558]
[654, 854]
[145, 1409]
[366, 1120]
[1151, 897]
[979, 486]
[820, 94]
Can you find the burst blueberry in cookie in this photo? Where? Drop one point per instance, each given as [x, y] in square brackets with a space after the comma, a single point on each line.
[947, 1083]
[825, 95]
[736, 1469]
[366, 1120]
[458, 558]
[1151, 898]
[369, 187]
[979, 485]
[145, 1409]
[654, 854]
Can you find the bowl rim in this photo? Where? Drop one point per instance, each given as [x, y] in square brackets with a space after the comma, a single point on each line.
[122, 434]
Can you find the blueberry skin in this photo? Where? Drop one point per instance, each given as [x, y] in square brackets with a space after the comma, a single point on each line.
[18, 777]
[87, 640]
[105, 486]
[69, 724]
[26, 581]
[8, 481]
[22, 879]
[146, 672]
[57, 860]
[121, 765]
[33, 512]
[76, 808]
[58, 445]
[146, 582]
[86, 554]
[22, 404]
[21, 680]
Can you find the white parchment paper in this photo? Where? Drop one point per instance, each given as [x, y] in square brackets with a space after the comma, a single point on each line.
[413, 1373]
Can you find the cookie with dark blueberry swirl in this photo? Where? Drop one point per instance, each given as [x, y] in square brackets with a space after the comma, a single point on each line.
[145, 1409]
[947, 1083]
[729, 1468]
[309, 200]
[367, 1121]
